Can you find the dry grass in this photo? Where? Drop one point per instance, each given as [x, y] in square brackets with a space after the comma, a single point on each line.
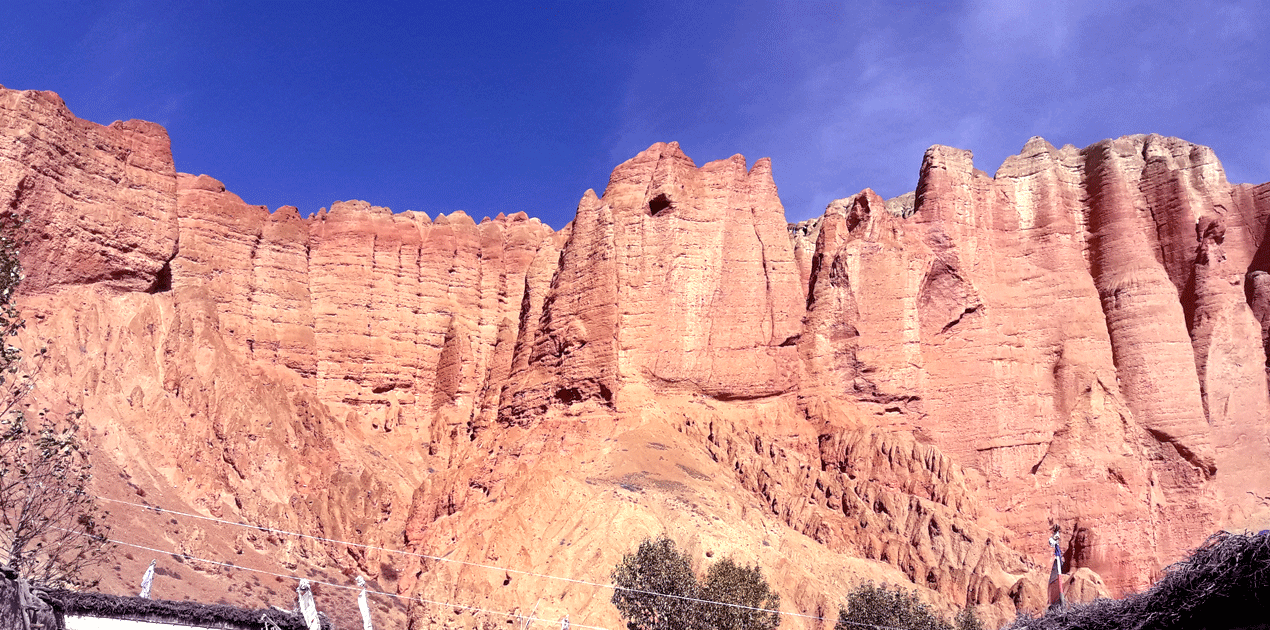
[1225, 583]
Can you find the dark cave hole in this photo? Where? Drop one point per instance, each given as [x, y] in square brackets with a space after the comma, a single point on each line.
[568, 395]
[162, 280]
[658, 203]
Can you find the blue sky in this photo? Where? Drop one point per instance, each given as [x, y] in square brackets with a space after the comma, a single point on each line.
[503, 107]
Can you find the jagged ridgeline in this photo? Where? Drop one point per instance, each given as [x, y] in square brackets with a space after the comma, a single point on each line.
[909, 391]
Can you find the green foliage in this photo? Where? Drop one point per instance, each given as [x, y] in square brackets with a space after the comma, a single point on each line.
[50, 527]
[894, 607]
[967, 620]
[656, 567]
[731, 583]
[657, 588]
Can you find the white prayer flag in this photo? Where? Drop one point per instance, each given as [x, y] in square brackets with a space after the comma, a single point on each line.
[363, 605]
[147, 580]
[307, 607]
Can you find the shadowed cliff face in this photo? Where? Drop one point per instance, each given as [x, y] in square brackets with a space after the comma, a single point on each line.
[911, 390]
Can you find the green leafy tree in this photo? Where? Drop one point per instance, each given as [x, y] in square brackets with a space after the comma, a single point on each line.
[890, 606]
[967, 620]
[731, 583]
[51, 530]
[657, 589]
[643, 580]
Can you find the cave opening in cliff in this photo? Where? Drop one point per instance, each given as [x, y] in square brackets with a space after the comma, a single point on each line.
[658, 203]
[162, 280]
[569, 395]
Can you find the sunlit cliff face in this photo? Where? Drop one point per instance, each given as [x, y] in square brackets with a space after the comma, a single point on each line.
[907, 395]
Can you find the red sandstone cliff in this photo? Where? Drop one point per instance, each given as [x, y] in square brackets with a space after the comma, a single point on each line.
[1054, 330]
[911, 390]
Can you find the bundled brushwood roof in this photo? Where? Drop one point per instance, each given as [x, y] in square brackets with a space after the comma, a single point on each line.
[1224, 584]
[180, 613]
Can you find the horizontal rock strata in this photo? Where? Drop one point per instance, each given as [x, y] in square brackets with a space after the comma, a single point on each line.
[913, 389]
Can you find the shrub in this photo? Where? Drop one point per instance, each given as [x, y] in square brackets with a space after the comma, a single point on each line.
[643, 579]
[894, 607]
[658, 590]
[967, 620]
[731, 583]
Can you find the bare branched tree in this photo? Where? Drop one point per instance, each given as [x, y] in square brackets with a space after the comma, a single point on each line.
[51, 530]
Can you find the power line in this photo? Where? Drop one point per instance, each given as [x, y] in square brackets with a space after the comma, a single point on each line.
[359, 545]
[483, 566]
[333, 585]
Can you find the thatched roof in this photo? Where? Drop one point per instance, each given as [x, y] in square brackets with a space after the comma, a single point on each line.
[1224, 584]
[182, 613]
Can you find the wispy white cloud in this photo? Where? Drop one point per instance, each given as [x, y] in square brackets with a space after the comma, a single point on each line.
[1000, 31]
[988, 74]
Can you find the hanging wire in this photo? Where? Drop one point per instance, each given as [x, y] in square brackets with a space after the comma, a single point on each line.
[263, 528]
[231, 565]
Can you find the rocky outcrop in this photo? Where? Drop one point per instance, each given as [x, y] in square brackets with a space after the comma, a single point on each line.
[913, 389]
[1057, 330]
[881, 496]
[1253, 205]
[679, 279]
[861, 337]
[390, 317]
[100, 201]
